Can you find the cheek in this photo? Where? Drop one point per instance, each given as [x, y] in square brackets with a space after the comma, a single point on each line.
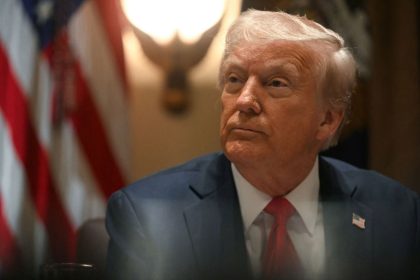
[294, 121]
[227, 105]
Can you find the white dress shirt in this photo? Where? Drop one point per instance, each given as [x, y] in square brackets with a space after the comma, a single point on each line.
[305, 227]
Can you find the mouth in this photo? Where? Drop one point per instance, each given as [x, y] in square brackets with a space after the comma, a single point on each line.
[245, 130]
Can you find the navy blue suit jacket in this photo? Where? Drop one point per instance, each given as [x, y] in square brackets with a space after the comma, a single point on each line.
[185, 223]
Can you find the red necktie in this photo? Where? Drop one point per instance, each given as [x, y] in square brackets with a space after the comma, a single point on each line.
[281, 260]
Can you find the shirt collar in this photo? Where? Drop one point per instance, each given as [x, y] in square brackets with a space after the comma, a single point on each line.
[304, 198]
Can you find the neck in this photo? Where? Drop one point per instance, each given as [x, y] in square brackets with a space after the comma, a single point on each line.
[276, 180]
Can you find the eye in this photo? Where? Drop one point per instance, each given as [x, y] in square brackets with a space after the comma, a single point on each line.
[232, 78]
[277, 83]
[233, 83]
[278, 87]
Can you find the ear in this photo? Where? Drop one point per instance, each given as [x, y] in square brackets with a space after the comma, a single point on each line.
[329, 124]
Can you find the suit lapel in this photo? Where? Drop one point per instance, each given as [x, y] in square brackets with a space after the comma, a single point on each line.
[215, 224]
[348, 246]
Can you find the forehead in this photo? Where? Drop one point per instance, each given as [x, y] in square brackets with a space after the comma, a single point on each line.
[300, 55]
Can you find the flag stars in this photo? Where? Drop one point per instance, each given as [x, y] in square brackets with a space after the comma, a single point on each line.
[44, 11]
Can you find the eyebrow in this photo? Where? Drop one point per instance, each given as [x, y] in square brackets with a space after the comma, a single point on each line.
[282, 67]
[231, 62]
[283, 64]
[271, 67]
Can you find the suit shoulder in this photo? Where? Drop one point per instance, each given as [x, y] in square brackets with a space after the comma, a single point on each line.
[370, 181]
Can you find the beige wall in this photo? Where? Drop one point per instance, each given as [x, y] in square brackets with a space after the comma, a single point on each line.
[160, 140]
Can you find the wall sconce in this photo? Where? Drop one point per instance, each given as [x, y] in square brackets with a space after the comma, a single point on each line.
[175, 35]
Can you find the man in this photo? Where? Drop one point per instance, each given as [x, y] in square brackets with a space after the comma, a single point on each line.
[286, 87]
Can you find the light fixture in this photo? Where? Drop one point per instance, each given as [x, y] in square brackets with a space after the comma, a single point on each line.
[175, 35]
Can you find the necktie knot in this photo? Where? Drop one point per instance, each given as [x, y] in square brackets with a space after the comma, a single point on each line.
[281, 209]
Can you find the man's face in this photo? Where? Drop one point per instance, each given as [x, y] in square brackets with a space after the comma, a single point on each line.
[271, 107]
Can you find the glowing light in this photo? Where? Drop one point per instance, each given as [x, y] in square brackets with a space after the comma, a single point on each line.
[163, 19]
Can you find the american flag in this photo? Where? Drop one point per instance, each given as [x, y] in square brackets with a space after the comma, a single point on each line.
[358, 221]
[63, 125]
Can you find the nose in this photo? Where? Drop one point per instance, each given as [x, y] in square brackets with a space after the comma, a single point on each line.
[248, 101]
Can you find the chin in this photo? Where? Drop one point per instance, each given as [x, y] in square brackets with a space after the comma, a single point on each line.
[241, 153]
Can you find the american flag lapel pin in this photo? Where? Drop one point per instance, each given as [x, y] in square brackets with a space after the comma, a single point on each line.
[358, 221]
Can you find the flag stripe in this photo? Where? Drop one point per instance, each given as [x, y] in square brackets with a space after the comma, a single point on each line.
[96, 149]
[27, 64]
[21, 56]
[111, 18]
[18, 208]
[81, 196]
[9, 252]
[91, 48]
[35, 162]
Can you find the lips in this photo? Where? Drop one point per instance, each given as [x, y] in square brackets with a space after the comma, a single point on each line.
[244, 128]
